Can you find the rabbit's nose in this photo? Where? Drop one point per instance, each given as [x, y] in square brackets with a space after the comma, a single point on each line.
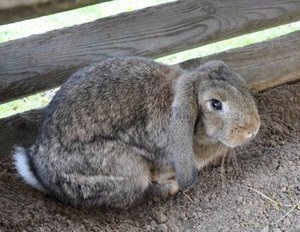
[251, 129]
[250, 133]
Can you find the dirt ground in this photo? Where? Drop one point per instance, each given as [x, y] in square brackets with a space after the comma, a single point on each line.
[256, 187]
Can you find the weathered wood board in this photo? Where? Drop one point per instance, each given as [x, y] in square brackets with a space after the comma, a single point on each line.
[44, 61]
[263, 65]
[17, 10]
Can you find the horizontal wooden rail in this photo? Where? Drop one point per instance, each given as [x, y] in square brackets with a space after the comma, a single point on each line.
[263, 65]
[17, 10]
[19, 129]
[44, 61]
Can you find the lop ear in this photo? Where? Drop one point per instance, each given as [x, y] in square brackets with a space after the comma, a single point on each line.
[184, 114]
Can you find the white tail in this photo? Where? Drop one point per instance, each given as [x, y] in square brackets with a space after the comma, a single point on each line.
[22, 165]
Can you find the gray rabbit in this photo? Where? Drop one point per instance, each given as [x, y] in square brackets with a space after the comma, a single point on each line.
[128, 125]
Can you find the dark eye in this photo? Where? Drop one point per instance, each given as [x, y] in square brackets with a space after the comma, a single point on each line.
[216, 104]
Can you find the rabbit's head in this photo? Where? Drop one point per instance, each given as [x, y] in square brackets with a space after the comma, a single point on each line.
[227, 110]
[213, 105]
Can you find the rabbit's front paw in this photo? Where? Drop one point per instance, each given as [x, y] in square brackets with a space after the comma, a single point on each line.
[163, 186]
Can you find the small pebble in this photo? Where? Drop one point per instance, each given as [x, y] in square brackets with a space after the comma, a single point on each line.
[283, 189]
[162, 228]
[153, 224]
[265, 229]
[240, 199]
[148, 227]
[195, 215]
[247, 212]
[183, 217]
[160, 217]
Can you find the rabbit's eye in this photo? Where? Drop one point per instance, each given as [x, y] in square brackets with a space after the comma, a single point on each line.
[216, 104]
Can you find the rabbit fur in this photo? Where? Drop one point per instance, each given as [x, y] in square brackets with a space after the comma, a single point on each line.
[125, 126]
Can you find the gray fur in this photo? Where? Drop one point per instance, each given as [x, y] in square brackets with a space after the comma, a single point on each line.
[123, 126]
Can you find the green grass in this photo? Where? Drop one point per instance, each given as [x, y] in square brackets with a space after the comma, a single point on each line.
[87, 14]
[26, 103]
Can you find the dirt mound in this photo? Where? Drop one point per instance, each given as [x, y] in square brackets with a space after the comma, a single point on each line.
[257, 186]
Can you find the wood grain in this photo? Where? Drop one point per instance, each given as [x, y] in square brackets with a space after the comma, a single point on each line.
[44, 61]
[264, 65]
[17, 10]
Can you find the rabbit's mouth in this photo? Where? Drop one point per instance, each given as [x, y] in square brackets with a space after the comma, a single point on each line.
[228, 145]
[237, 142]
[242, 136]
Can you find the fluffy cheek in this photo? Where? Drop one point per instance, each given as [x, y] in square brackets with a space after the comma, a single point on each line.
[234, 140]
[213, 125]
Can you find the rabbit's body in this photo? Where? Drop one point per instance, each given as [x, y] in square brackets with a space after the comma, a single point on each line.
[107, 136]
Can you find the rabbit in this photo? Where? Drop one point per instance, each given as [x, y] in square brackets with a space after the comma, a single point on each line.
[127, 126]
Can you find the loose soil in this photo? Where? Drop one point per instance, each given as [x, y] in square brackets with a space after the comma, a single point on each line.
[255, 187]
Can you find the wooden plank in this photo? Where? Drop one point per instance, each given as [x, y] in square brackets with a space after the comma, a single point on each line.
[17, 10]
[263, 65]
[6, 5]
[44, 61]
[19, 130]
